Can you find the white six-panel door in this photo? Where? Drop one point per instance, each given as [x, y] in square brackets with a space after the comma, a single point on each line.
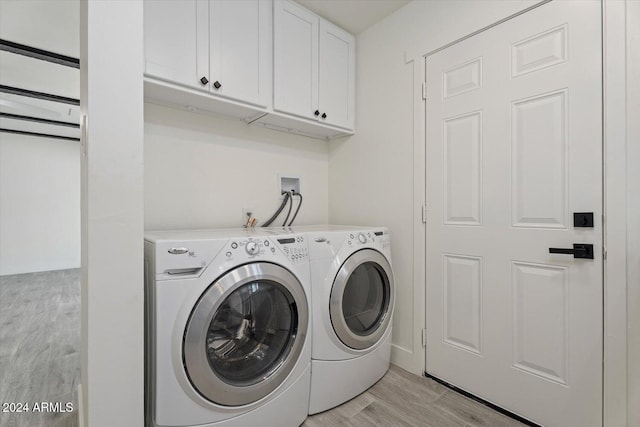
[514, 148]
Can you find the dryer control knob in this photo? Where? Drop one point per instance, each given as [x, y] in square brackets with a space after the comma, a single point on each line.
[362, 238]
[252, 248]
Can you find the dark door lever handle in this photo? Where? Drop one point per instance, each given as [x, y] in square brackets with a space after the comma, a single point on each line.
[580, 250]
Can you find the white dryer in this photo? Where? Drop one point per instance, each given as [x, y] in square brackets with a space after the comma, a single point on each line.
[353, 297]
[228, 338]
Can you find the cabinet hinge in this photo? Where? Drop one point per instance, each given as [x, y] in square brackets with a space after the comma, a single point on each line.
[424, 90]
[604, 254]
[424, 214]
[424, 338]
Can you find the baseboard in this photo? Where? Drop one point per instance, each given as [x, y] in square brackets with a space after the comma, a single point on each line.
[405, 359]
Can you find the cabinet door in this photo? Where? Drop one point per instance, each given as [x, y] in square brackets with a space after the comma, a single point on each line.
[240, 49]
[176, 41]
[337, 76]
[295, 77]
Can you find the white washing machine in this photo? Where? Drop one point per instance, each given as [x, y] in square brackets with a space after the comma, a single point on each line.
[228, 338]
[353, 297]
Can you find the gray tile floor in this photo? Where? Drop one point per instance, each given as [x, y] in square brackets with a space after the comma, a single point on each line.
[40, 362]
[39, 345]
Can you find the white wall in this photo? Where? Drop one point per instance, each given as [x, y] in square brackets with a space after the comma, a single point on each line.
[371, 175]
[201, 170]
[39, 204]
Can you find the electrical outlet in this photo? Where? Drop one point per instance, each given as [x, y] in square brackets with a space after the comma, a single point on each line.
[246, 214]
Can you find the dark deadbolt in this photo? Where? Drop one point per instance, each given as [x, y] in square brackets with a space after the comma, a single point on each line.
[583, 219]
[580, 250]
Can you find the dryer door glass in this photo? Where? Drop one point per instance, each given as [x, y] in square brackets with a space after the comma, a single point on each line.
[251, 333]
[365, 298]
[361, 301]
[246, 334]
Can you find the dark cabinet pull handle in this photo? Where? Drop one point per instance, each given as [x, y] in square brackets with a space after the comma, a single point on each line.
[580, 250]
[324, 115]
[316, 113]
[217, 84]
[204, 80]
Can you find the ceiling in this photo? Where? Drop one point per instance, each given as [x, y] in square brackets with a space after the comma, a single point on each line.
[353, 15]
[55, 26]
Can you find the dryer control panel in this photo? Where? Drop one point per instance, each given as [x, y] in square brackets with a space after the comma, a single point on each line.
[359, 238]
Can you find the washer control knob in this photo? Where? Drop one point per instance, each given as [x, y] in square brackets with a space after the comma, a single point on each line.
[252, 248]
[362, 238]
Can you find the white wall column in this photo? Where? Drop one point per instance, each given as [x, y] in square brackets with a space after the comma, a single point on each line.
[111, 58]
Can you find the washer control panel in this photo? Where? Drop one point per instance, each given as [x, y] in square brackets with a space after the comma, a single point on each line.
[252, 247]
[294, 248]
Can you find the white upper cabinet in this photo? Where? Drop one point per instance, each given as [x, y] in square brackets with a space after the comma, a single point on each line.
[220, 46]
[269, 63]
[314, 67]
[337, 76]
[295, 60]
[240, 49]
[176, 41]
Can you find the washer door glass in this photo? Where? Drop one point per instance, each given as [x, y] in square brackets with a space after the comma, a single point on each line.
[245, 334]
[251, 333]
[361, 301]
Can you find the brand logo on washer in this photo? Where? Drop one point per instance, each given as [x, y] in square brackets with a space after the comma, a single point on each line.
[178, 251]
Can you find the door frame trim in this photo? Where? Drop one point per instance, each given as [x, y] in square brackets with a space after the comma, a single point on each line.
[621, 381]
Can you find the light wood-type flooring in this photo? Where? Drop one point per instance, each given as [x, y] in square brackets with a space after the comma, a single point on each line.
[39, 345]
[404, 399]
[40, 362]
